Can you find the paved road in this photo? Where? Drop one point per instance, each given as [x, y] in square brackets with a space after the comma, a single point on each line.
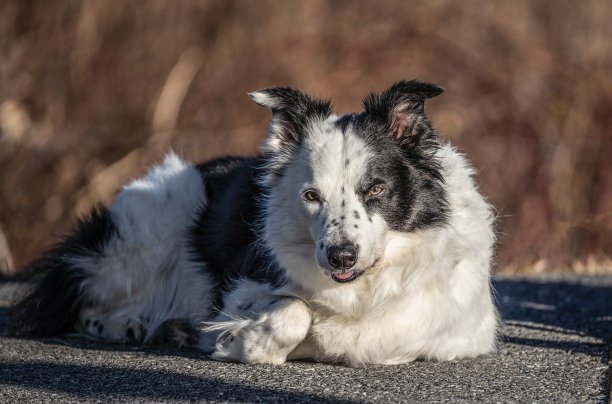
[555, 348]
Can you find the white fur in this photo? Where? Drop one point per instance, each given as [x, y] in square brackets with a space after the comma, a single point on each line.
[263, 327]
[431, 296]
[145, 276]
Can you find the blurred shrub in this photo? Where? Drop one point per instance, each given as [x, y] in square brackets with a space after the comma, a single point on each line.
[95, 91]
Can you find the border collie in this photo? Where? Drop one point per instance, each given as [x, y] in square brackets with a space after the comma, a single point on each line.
[358, 239]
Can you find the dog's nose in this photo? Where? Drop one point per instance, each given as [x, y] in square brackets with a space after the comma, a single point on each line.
[342, 257]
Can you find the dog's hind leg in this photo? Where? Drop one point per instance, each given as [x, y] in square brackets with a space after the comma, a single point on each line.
[127, 269]
[146, 275]
[258, 326]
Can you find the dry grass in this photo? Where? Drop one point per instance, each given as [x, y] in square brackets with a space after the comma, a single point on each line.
[95, 91]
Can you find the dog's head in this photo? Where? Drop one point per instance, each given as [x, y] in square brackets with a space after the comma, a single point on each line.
[339, 184]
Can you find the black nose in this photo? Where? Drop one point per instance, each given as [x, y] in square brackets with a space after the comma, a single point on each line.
[342, 257]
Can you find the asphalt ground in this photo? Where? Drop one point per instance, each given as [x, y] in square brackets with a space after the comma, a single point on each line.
[555, 347]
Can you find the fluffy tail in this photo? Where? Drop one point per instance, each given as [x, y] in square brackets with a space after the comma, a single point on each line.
[52, 304]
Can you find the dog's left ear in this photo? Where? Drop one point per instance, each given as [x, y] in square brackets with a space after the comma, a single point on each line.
[401, 108]
[292, 113]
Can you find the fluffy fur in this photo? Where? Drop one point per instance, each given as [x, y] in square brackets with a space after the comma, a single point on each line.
[358, 239]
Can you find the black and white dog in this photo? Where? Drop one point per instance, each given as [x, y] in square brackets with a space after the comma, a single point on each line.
[356, 239]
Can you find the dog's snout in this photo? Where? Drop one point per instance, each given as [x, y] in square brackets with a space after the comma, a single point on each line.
[342, 257]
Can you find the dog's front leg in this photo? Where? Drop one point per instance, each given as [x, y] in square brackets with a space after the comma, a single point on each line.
[266, 337]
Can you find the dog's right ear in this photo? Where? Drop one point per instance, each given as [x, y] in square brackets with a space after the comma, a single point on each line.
[292, 113]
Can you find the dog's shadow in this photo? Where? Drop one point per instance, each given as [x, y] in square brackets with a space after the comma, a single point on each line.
[85, 382]
[578, 307]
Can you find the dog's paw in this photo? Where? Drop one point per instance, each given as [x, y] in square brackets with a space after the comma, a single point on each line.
[267, 338]
[111, 328]
[176, 331]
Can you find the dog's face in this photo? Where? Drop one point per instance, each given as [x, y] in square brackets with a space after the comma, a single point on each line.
[338, 185]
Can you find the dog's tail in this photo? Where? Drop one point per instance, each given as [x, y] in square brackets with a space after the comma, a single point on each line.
[52, 303]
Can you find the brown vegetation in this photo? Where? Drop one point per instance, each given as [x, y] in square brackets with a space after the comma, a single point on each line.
[94, 91]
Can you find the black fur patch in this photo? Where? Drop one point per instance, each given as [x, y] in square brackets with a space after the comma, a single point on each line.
[344, 122]
[400, 109]
[404, 145]
[293, 109]
[224, 238]
[52, 306]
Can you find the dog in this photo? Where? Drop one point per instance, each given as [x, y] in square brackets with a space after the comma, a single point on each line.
[356, 239]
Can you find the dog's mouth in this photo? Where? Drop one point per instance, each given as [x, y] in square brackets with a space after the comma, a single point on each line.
[349, 276]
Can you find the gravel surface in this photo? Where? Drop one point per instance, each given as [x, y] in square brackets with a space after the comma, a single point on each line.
[555, 348]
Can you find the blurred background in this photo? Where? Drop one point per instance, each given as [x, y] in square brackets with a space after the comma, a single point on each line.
[93, 92]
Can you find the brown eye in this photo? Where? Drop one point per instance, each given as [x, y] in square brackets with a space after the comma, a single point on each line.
[312, 196]
[375, 190]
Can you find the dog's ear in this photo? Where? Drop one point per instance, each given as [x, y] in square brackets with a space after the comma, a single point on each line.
[292, 113]
[401, 108]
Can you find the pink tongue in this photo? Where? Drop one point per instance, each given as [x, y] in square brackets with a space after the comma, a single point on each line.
[343, 275]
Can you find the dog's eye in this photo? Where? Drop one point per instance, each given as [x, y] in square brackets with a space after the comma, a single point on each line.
[375, 190]
[311, 196]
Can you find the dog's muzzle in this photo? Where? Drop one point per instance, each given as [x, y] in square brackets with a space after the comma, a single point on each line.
[342, 258]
